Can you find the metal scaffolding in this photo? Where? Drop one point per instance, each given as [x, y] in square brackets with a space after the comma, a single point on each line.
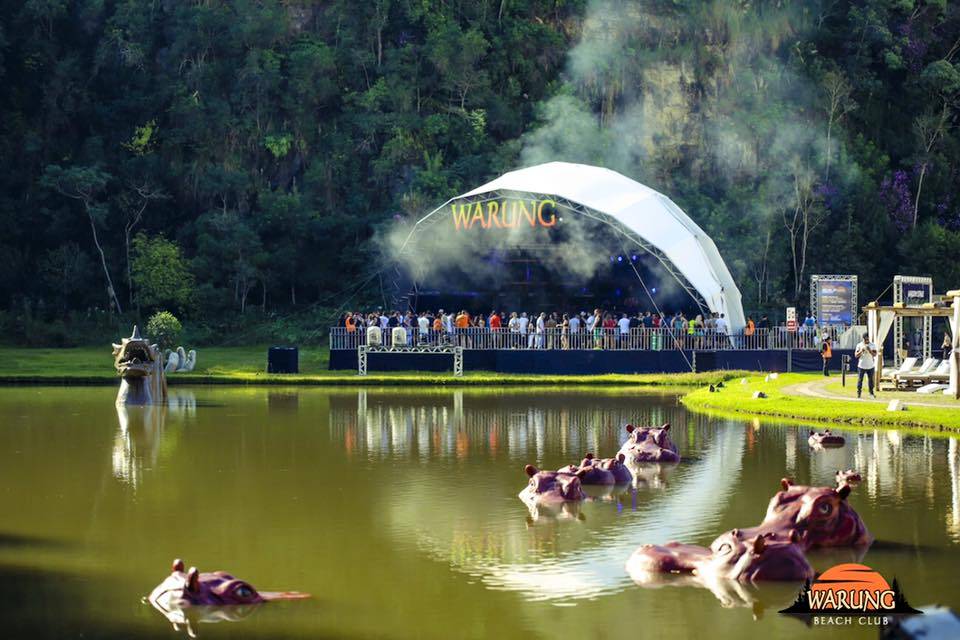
[457, 352]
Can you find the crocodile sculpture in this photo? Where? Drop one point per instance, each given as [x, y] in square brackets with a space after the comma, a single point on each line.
[140, 367]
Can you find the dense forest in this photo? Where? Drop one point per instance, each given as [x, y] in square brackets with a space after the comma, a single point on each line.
[235, 162]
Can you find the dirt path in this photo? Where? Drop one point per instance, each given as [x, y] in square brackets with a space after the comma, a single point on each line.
[817, 389]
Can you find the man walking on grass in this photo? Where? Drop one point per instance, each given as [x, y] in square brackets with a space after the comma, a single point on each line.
[865, 354]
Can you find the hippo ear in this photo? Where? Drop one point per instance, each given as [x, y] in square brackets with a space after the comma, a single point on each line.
[736, 533]
[666, 427]
[786, 483]
[812, 432]
[630, 428]
[759, 544]
[530, 470]
[177, 565]
[193, 579]
[843, 491]
[589, 456]
[621, 457]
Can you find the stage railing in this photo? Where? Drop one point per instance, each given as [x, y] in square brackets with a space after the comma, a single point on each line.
[640, 339]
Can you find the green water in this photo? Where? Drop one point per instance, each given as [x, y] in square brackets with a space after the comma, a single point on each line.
[398, 511]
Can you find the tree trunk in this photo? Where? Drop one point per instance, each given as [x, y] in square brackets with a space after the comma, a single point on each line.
[103, 262]
[126, 246]
[916, 201]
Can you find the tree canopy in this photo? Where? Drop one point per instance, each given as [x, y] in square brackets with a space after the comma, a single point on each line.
[261, 146]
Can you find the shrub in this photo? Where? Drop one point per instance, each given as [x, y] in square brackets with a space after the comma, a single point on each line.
[164, 328]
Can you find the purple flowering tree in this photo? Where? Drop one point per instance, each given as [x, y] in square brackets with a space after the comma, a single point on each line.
[896, 196]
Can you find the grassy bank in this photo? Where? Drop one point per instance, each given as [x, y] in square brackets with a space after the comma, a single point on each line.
[782, 401]
[247, 365]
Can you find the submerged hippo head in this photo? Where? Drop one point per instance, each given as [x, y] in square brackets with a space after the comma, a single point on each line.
[732, 556]
[825, 439]
[617, 466]
[551, 487]
[766, 556]
[821, 515]
[191, 588]
[590, 471]
[649, 444]
[849, 477]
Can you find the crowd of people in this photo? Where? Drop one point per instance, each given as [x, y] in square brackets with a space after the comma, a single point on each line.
[598, 329]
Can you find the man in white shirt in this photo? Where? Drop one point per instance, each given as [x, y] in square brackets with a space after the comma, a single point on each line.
[865, 353]
[524, 328]
[514, 327]
[447, 320]
[423, 327]
[541, 329]
[721, 325]
[624, 324]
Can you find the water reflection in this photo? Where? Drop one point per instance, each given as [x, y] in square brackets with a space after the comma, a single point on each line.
[458, 424]
[187, 619]
[140, 434]
[549, 558]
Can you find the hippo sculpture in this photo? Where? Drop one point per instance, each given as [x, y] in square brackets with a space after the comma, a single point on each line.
[821, 515]
[551, 487]
[618, 467]
[140, 367]
[797, 516]
[649, 444]
[849, 477]
[606, 471]
[735, 555]
[819, 440]
[184, 589]
[552, 494]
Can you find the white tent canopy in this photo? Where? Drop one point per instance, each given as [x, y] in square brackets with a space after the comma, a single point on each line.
[647, 215]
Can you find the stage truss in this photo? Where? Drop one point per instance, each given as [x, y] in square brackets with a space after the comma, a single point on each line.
[457, 352]
[927, 339]
[815, 294]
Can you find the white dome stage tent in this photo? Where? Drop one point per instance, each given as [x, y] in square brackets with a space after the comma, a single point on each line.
[636, 212]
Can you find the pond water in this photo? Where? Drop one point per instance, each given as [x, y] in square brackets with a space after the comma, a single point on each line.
[398, 510]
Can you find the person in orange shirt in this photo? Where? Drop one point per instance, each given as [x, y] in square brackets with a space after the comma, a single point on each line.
[495, 324]
[350, 323]
[826, 351]
[461, 323]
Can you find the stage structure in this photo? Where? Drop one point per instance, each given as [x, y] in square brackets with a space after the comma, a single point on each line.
[912, 291]
[833, 299]
[558, 195]
[880, 319]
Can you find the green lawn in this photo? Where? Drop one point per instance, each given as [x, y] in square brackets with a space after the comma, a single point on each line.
[247, 365]
[736, 398]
